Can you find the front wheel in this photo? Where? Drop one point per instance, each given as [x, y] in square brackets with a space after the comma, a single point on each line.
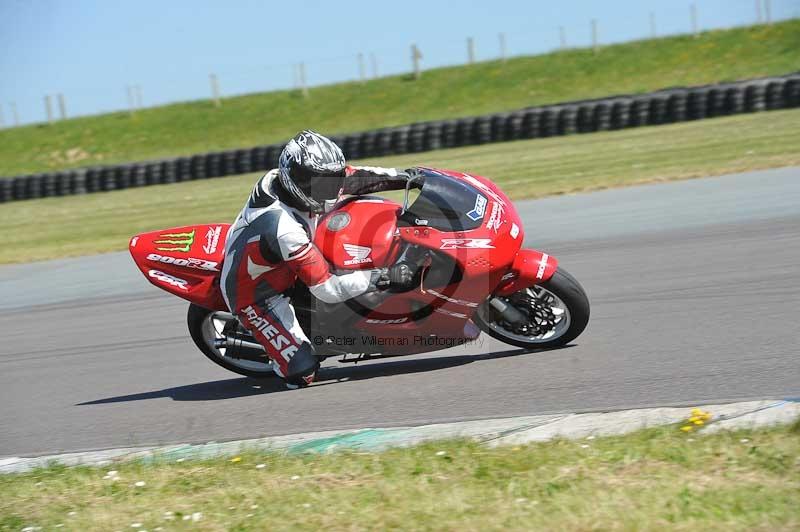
[206, 326]
[557, 312]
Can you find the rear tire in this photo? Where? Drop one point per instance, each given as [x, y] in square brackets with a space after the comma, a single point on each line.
[564, 287]
[200, 322]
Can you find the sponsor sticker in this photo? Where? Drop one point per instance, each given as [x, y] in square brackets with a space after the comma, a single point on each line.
[450, 313]
[198, 264]
[212, 239]
[388, 322]
[169, 279]
[175, 241]
[449, 299]
[495, 218]
[359, 254]
[514, 231]
[542, 266]
[479, 209]
[134, 240]
[466, 243]
[277, 340]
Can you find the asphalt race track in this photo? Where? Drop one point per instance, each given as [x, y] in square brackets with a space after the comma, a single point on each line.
[695, 291]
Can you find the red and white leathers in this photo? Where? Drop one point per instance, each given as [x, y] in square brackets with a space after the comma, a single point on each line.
[269, 248]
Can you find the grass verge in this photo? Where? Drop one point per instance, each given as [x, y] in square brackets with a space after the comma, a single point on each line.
[94, 223]
[653, 479]
[193, 127]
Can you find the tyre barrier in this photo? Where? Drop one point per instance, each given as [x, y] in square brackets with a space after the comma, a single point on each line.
[754, 97]
[432, 137]
[791, 92]
[547, 122]
[639, 112]
[620, 113]
[617, 112]
[449, 133]
[676, 106]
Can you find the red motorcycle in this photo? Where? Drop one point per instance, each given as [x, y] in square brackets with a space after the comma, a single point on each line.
[461, 235]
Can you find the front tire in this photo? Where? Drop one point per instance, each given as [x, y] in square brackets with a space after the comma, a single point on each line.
[558, 309]
[205, 326]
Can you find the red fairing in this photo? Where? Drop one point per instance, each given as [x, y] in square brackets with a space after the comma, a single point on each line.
[359, 234]
[530, 267]
[185, 261]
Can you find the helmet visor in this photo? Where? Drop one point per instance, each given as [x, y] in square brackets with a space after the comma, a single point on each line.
[319, 185]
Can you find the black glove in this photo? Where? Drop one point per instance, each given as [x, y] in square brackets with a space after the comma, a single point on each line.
[399, 276]
[415, 174]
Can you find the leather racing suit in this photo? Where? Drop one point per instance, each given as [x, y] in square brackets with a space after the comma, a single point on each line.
[269, 247]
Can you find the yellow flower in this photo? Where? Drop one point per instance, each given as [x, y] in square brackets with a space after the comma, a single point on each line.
[236, 459]
[687, 428]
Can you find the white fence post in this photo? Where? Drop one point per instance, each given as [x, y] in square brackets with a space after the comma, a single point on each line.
[214, 89]
[768, 11]
[303, 86]
[362, 74]
[653, 32]
[502, 38]
[62, 106]
[470, 50]
[374, 61]
[48, 107]
[594, 35]
[415, 57]
[693, 12]
[562, 34]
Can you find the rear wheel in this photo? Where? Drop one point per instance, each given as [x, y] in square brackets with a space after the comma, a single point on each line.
[557, 312]
[206, 326]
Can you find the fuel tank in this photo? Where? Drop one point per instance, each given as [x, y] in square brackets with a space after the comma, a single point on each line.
[359, 233]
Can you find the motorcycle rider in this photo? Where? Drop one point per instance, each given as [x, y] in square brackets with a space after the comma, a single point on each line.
[269, 248]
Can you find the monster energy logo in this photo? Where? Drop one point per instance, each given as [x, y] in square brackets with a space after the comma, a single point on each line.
[178, 241]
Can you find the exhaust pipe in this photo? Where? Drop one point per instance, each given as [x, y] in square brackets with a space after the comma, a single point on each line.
[235, 343]
[508, 312]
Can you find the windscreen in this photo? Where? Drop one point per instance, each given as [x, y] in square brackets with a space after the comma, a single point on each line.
[447, 204]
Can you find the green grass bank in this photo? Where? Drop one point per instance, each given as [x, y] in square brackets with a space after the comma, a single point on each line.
[188, 128]
[657, 479]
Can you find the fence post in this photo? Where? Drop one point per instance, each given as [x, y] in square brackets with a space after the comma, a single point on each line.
[415, 57]
[563, 37]
[470, 50]
[653, 32]
[48, 107]
[303, 86]
[362, 74]
[502, 39]
[62, 106]
[214, 89]
[759, 16]
[374, 61]
[693, 12]
[594, 35]
[131, 100]
[768, 11]
[138, 91]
